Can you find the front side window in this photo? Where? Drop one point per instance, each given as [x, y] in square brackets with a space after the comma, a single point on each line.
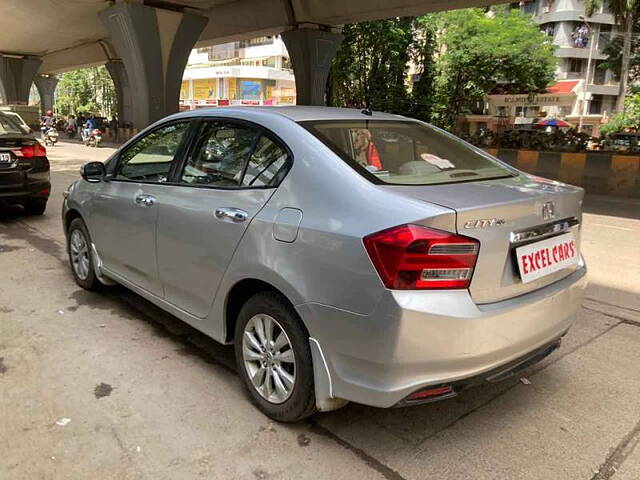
[405, 153]
[150, 158]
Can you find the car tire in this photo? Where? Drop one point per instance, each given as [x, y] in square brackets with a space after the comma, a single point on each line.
[300, 401]
[35, 207]
[80, 258]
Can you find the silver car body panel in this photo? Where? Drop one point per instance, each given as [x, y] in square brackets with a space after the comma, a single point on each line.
[377, 345]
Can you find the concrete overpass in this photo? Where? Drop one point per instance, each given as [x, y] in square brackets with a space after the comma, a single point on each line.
[145, 43]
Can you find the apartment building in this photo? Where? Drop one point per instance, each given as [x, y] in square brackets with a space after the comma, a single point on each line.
[585, 94]
[250, 72]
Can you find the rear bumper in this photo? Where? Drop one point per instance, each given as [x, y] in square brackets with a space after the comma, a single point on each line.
[25, 191]
[416, 339]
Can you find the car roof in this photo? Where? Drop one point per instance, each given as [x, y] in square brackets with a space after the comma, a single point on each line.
[299, 113]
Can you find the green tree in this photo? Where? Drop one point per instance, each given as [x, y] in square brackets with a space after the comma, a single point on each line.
[625, 12]
[88, 90]
[423, 57]
[629, 119]
[370, 67]
[614, 47]
[481, 52]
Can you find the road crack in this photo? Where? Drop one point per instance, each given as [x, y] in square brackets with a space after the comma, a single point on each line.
[619, 454]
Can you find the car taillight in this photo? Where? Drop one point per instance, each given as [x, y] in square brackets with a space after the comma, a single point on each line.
[29, 151]
[412, 257]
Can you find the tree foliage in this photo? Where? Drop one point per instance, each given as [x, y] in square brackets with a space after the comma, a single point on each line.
[88, 90]
[630, 119]
[482, 52]
[423, 99]
[459, 56]
[626, 13]
[369, 69]
[614, 49]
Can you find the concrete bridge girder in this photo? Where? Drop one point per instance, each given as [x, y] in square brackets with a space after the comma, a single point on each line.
[154, 46]
[46, 85]
[16, 76]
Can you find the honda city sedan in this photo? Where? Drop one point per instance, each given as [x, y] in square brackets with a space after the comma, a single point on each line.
[348, 255]
[24, 168]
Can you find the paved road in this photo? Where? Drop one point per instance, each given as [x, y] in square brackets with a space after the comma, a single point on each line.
[147, 397]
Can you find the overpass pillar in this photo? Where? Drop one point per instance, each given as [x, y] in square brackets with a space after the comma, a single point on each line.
[16, 77]
[46, 85]
[311, 52]
[123, 92]
[154, 45]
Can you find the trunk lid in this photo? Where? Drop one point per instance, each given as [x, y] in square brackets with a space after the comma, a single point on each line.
[494, 212]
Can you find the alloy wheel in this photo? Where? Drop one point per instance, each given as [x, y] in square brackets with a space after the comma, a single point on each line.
[268, 358]
[79, 250]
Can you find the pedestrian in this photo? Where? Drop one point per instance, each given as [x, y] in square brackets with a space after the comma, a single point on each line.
[113, 126]
[80, 124]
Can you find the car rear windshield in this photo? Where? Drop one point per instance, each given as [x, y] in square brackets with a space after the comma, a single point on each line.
[405, 152]
[8, 126]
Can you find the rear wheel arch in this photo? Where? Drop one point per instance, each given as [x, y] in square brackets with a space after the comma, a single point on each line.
[238, 296]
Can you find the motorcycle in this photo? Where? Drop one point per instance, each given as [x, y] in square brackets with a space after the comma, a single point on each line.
[94, 138]
[71, 132]
[50, 136]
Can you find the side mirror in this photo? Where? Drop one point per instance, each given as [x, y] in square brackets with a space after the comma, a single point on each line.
[93, 172]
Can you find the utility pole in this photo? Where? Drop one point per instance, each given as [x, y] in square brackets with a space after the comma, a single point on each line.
[592, 41]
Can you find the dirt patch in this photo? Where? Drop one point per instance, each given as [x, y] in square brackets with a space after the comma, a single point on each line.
[303, 440]
[102, 390]
[3, 367]
[9, 248]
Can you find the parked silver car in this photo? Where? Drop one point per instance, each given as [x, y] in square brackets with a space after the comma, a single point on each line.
[348, 255]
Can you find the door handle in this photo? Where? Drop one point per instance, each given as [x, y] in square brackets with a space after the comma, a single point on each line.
[233, 214]
[144, 200]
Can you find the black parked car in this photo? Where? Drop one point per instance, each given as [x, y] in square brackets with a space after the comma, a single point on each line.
[24, 168]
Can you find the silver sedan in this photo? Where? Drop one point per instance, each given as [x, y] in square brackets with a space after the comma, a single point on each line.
[348, 255]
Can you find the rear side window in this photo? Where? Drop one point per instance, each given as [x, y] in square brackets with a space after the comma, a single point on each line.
[234, 155]
[405, 153]
[9, 126]
[265, 164]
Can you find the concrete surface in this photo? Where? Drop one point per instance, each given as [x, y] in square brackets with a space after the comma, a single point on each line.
[149, 397]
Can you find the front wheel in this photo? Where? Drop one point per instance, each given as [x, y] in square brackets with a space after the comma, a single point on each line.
[274, 359]
[79, 249]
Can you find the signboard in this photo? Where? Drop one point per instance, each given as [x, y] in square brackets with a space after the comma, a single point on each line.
[205, 89]
[250, 89]
[526, 100]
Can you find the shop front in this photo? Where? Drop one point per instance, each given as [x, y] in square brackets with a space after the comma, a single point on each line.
[563, 101]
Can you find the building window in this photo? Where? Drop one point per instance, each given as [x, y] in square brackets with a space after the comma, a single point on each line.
[549, 29]
[529, 7]
[595, 105]
[529, 112]
[575, 65]
[599, 73]
[604, 36]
